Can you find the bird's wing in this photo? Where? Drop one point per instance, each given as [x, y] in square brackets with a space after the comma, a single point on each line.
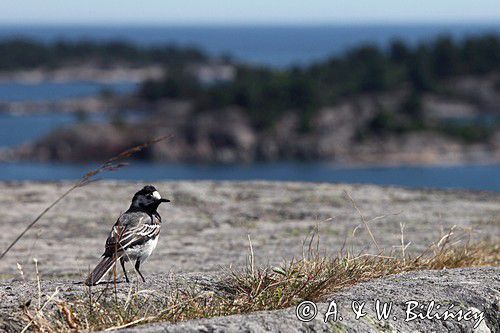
[126, 233]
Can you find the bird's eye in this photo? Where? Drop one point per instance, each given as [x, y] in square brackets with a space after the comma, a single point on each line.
[148, 196]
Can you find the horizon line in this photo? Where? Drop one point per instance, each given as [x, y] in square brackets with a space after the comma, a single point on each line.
[481, 22]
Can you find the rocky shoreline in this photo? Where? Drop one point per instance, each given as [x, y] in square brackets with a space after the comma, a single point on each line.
[208, 143]
[84, 73]
[349, 133]
[227, 136]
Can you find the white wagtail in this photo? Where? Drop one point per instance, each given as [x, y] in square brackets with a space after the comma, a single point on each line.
[133, 237]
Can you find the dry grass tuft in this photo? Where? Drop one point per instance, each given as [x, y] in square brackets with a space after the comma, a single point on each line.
[314, 277]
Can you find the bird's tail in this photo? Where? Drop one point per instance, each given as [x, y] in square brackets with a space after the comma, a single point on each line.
[102, 268]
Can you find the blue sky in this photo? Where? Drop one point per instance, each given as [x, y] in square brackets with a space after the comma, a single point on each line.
[246, 11]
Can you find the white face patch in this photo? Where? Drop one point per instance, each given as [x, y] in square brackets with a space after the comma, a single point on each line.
[156, 195]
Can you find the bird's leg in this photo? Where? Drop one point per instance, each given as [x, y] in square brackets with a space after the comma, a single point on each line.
[137, 266]
[122, 261]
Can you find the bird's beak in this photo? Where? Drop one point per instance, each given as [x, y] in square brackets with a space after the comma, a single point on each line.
[164, 200]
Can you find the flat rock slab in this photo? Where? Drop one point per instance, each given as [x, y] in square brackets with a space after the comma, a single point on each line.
[472, 290]
[208, 224]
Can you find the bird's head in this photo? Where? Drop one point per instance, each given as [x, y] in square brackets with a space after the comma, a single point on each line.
[148, 199]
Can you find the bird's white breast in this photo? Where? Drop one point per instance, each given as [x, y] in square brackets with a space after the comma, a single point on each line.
[149, 247]
[141, 252]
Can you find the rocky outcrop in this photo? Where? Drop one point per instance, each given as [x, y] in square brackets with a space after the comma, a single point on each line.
[470, 290]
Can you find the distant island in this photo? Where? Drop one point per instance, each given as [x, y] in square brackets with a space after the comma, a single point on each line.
[433, 103]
